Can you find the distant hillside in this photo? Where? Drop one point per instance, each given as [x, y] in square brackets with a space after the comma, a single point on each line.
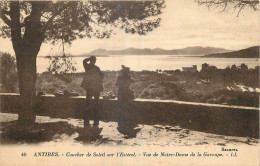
[251, 52]
[97, 53]
[197, 50]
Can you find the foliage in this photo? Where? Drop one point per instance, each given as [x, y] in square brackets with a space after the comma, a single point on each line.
[234, 74]
[61, 64]
[70, 20]
[250, 99]
[207, 72]
[8, 73]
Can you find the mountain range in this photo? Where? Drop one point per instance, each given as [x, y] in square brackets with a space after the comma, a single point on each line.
[197, 50]
[251, 52]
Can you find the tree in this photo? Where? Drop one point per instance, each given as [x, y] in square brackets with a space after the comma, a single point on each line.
[238, 5]
[8, 73]
[30, 23]
[204, 67]
[243, 67]
[207, 71]
[234, 68]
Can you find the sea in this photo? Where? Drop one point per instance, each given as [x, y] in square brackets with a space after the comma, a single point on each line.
[152, 62]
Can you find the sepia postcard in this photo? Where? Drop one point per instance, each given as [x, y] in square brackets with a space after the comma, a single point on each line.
[129, 82]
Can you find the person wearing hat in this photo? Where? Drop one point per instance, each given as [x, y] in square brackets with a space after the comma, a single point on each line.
[125, 116]
[123, 82]
[93, 84]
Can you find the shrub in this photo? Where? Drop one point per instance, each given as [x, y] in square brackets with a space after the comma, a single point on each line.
[8, 73]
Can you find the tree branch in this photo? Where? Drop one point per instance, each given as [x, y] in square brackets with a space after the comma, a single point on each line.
[4, 18]
[15, 25]
[242, 6]
[236, 4]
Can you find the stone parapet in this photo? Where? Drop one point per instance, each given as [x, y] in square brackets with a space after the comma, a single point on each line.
[213, 118]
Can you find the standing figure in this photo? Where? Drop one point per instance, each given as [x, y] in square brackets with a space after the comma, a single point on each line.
[93, 84]
[127, 121]
[123, 82]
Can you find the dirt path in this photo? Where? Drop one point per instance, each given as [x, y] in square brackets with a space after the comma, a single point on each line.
[67, 132]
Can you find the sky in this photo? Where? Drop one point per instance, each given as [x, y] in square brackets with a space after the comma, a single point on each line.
[184, 23]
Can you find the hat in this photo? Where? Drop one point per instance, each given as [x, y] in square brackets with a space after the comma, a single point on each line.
[125, 69]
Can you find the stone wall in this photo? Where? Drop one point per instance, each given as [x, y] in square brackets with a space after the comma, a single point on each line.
[213, 118]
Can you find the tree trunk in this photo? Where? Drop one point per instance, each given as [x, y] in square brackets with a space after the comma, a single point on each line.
[26, 49]
[26, 65]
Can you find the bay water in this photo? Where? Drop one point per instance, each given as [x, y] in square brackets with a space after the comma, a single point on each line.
[152, 62]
